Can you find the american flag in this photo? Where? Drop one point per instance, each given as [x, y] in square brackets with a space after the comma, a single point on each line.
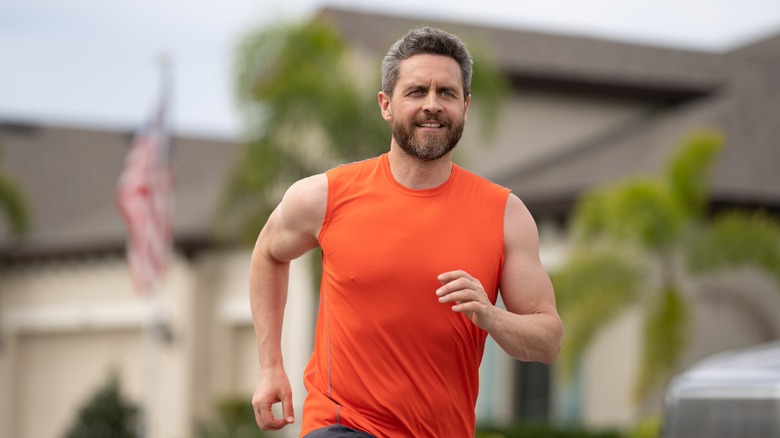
[145, 200]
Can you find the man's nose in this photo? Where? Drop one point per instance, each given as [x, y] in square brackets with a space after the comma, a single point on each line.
[431, 103]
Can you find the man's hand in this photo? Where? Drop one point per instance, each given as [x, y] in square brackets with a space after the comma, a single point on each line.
[273, 387]
[469, 297]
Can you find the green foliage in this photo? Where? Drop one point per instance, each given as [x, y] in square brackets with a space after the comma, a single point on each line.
[14, 204]
[590, 217]
[650, 427]
[591, 289]
[665, 339]
[737, 239]
[235, 419]
[688, 172]
[641, 211]
[106, 414]
[660, 217]
[652, 211]
[539, 430]
[309, 105]
[488, 88]
[305, 109]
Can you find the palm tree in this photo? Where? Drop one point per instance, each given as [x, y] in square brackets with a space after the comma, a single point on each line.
[636, 240]
[308, 107]
[12, 203]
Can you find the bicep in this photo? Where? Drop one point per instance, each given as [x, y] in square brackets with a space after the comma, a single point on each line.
[525, 285]
[293, 226]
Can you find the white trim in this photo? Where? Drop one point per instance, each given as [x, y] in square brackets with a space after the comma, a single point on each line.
[235, 312]
[76, 318]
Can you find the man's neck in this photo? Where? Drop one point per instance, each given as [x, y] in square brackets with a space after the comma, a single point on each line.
[418, 174]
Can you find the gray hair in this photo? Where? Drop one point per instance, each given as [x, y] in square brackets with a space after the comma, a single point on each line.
[428, 41]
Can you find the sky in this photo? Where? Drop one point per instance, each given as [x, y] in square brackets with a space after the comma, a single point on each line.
[95, 62]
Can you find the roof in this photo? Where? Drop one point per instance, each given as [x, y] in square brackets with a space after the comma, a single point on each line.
[548, 56]
[69, 175]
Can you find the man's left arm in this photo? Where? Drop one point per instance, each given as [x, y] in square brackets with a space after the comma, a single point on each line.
[530, 328]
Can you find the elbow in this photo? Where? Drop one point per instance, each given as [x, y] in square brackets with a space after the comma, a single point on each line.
[551, 355]
[542, 343]
[554, 344]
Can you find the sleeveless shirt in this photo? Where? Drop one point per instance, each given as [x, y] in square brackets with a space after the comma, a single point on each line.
[388, 358]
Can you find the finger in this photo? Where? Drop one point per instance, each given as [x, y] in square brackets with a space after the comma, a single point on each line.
[268, 420]
[454, 286]
[287, 409]
[258, 417]
[467, 307]
[447, 277]
[457, 296]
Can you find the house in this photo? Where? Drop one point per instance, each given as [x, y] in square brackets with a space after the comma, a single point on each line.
[581, 112]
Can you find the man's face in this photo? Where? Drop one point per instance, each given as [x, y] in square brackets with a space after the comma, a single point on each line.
[427, 110]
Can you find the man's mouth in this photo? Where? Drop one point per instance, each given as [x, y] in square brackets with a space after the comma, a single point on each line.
[430, 125]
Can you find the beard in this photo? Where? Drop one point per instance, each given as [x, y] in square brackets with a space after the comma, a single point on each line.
[431, 146]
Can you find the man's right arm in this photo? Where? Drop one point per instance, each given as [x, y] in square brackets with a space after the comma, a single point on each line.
[290, 232]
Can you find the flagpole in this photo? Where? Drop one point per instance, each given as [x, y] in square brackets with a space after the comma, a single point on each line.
[149, 359]
[154, 323]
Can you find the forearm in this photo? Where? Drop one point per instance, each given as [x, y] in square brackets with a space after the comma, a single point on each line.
[267, 297]
[532, 337]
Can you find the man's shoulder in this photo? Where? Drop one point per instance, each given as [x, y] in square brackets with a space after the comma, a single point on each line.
[355, 173]
[482, 182]
[355, 166]
[308, 196]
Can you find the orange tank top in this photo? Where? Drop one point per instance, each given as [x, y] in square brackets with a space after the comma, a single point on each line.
[388, 358]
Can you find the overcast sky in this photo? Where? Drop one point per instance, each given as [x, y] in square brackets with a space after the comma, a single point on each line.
[92, 62]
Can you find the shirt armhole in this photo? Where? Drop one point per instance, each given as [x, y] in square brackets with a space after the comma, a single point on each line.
[328, 208]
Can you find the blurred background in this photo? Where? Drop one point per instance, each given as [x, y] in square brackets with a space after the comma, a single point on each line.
[643, 137]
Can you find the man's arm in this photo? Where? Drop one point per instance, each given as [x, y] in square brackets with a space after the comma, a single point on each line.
[290, 232]
[530, 328]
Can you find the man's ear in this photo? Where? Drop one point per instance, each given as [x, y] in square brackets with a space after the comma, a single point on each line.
[385, 106]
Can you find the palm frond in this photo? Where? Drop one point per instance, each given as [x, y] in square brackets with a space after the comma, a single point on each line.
[736, 239]
[688, 172]
[592, 289]
[16, 208]
[665, 338]
[637, 210]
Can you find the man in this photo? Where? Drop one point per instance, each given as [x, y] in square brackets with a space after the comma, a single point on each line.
[415, 250]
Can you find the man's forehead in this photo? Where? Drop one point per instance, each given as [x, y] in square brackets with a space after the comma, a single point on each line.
[421, 67]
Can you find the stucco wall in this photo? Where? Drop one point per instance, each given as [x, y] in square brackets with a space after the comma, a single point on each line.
[64, 326]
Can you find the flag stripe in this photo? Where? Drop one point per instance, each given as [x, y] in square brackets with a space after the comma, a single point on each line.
[144, 198]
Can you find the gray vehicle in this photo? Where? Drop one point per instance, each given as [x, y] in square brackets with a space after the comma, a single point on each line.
[735, 394]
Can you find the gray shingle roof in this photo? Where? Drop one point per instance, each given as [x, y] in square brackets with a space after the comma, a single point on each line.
[547, 55]
[69, 177]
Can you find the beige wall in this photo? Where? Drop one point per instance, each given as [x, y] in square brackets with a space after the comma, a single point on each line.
[609, 367]
[63, 326]
[536, 124]
[226, 360]
[69, 324]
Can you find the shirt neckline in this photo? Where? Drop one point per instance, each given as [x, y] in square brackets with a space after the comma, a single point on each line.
[433, 191]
